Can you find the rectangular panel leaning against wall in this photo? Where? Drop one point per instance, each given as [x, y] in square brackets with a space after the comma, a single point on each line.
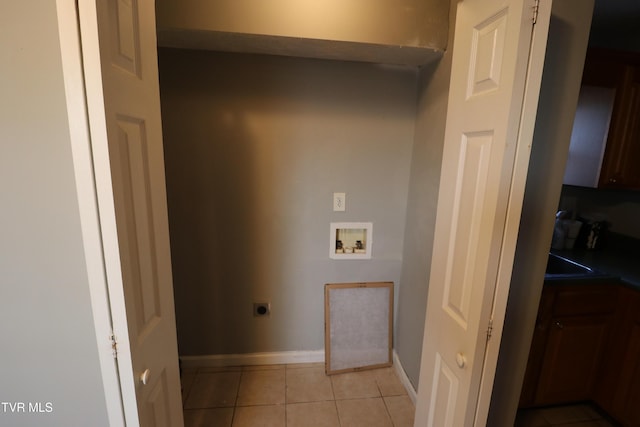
[255, 146]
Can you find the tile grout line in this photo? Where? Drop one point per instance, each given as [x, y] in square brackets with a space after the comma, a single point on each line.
[388, 413]
[333, 393]
[186, 398]
[384, 402]
[235, 403]
[242, 375]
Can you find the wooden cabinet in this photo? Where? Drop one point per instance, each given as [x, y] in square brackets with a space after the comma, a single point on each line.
[572, 330]
[572, 359]
[627, 408]
[605, 143]
[586, 346]
[622, 154]
[538, 345]
[619, 381]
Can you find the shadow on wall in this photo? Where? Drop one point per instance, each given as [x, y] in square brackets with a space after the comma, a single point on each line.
[211, 182]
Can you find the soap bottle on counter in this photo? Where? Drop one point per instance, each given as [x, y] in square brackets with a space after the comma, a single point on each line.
[559, 234]
[572, 230]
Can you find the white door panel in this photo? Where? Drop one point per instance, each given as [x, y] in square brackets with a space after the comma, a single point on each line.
[489, 70]
[124, 78]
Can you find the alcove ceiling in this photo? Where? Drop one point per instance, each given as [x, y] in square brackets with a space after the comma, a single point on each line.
[613, 20]
[400, 32]
[298, 47]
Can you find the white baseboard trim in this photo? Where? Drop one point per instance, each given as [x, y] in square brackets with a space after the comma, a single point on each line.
[404, 378]
[272, 358]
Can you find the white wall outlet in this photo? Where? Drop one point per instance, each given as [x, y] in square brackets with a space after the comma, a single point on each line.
[339, 200]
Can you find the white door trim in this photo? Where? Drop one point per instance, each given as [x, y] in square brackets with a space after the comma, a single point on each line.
[103, 196]
[71, 56]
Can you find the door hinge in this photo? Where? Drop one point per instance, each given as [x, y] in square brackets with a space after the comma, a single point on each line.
[490, 329]
[535, 7]
[114, 345]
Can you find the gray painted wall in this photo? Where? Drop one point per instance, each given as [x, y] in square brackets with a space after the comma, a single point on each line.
[426, 162]
[255, 146]
[49, 352]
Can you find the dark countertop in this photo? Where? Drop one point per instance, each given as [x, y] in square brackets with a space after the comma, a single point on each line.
[620, 261]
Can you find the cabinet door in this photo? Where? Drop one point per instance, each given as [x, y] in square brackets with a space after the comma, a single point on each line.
[609, 108]
[572, 358]
[538, 345]
[631, 408]
[622, 155]
[626, 396]
[608, 385]
[599, 103]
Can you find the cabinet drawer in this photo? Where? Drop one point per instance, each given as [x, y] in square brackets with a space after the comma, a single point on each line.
[585, 300]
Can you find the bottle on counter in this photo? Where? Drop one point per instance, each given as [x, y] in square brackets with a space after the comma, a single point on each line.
[559, 233]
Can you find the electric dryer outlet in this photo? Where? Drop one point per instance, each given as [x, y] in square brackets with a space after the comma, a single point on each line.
[261, 309]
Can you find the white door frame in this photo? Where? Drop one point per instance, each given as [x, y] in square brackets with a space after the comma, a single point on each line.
[80, 56]
[93, 181]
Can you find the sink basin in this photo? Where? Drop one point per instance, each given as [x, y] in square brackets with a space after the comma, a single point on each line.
[558, 266]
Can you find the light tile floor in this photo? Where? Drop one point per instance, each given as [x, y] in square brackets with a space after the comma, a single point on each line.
[581, 415]
[299, 395]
